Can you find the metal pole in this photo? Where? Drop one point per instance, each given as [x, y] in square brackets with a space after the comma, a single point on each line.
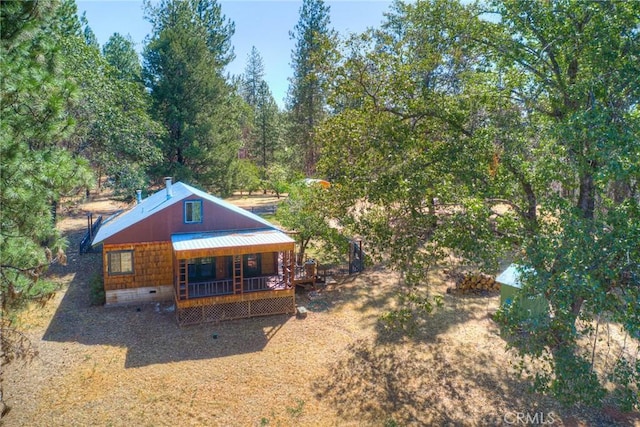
[351, 257]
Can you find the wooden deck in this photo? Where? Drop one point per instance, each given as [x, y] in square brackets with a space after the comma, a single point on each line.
[235, 306]
[238, 296]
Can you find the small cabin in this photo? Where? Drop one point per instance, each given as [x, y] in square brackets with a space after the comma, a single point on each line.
[215, 260]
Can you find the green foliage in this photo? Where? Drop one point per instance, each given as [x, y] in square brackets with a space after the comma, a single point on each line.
[278, 179]
[183, 68]
[296, 411]
[312, 59]
[307, 213]
[262, 136]
[96, 290]
[458, 135]
[626, 376]
[120, 53]
[253, 77]
[37, 169]
[89, 37]
[580, 257]
[268, 126]
[113, 128]
[449, 134]
[247, 177]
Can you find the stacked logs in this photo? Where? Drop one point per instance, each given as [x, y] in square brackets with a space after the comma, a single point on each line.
[475, 283]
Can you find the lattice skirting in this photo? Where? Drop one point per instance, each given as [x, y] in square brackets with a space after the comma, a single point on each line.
[235, 310]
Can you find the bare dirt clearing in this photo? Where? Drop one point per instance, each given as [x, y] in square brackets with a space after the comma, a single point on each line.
[134, 365]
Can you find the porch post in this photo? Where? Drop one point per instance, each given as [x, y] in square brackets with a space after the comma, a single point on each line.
[182, 279]
[290, 266]
[237, 274]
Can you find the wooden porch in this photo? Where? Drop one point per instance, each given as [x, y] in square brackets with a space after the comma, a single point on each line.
[225, 286]
[232, 276]
[235, 306]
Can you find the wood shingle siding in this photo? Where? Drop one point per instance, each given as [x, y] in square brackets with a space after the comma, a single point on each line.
[153, 266]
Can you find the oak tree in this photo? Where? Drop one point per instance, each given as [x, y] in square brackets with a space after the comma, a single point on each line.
[485, 138]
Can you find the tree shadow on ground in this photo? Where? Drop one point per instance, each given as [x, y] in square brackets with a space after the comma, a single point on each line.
[452, 369]
[378, 291]
[401, 379]
[401, 385]
[149, 332]
[436, 384]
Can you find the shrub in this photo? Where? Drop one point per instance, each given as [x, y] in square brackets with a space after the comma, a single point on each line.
[96, 289]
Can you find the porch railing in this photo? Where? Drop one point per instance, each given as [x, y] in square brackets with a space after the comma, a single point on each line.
[225, 287]
[207, 289]
[262, 283]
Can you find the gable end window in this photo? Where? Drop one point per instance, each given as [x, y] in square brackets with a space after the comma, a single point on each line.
[193, 211]
[120, 262]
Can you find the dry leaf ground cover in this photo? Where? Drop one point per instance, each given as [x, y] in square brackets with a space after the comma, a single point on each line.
[133, 365]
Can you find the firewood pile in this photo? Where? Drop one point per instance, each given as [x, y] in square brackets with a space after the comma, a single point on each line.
[474, 283]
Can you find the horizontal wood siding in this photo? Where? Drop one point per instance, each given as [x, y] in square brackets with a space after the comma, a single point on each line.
[160, 226]
[223, 267]
[269, 263]
[152, 263]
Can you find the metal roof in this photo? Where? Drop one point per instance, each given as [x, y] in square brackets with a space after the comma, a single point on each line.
[228, 239]
[159, 201]
[511, 276]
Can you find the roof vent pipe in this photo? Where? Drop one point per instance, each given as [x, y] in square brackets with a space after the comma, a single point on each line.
[167, 183]
[138, 197]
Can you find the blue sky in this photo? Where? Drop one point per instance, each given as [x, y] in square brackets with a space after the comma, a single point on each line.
[264, 24]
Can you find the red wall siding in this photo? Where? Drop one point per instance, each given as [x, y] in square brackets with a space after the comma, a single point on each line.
[160, 226]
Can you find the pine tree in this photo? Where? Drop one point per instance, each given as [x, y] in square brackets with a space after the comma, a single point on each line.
[267, 118]
[183, 68]
[114, 130]
[264, 133]
[312, 58]
[120, 53]
[36, 168]
[253, 77]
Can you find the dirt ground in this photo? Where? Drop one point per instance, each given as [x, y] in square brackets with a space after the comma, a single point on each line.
[133, 365]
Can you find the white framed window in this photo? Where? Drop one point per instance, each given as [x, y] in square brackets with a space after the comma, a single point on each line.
[120, 262]
[192, 211]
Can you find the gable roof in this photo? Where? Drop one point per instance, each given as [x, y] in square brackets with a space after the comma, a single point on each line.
[159, 201]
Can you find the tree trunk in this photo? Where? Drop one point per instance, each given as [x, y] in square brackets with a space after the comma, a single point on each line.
[179, 156]
[303, 248]
[99, 179]
[587, 197]
[54, 212]
[530, 213]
